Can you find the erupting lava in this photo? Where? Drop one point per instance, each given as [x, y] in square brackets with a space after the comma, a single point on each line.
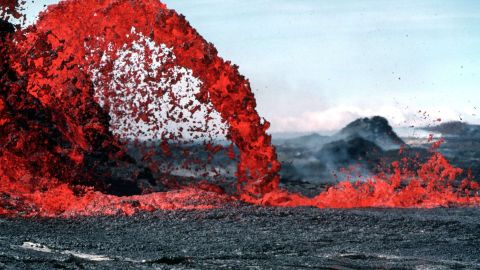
[93, 79]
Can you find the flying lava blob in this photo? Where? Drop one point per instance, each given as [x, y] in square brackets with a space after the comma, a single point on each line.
[107, 107]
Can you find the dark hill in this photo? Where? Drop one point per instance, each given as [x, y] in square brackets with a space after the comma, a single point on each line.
[375, 129]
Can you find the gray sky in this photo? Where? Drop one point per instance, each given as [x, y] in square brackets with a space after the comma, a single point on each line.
[316, 65]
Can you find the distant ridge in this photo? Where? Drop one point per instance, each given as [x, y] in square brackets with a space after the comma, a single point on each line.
[310, 141]
[455, 128]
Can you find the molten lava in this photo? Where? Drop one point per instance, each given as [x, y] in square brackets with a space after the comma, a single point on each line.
[93, 79]
[432, 185]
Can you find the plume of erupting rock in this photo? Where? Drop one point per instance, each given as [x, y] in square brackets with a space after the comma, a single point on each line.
[91, 75]
[53, 128]
[107, 26]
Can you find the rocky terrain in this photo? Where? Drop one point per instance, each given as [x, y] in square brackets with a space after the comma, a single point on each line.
[248, 237]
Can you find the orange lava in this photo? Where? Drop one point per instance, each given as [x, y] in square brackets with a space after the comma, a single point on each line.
[433, 185]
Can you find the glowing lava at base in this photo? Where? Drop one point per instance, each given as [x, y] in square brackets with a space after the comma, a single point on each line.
[92, 76]
[64, 201]
[431, 186]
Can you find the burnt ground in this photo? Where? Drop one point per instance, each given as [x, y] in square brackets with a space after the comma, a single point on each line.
[248, 237]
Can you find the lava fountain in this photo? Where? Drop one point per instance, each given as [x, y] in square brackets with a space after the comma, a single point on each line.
[92, 80]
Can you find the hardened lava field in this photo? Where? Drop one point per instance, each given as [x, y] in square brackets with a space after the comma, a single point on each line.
[248, 237]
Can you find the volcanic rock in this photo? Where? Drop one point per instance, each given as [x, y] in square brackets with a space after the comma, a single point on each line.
[353, 150]
[375, 129]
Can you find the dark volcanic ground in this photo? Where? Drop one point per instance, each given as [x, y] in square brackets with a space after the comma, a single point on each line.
[248, 237]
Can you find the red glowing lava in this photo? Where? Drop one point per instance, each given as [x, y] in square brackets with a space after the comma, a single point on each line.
[108, 26]
[94, 78]
[432, 185]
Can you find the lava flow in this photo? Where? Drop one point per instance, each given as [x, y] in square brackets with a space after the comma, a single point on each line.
[99, 97]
